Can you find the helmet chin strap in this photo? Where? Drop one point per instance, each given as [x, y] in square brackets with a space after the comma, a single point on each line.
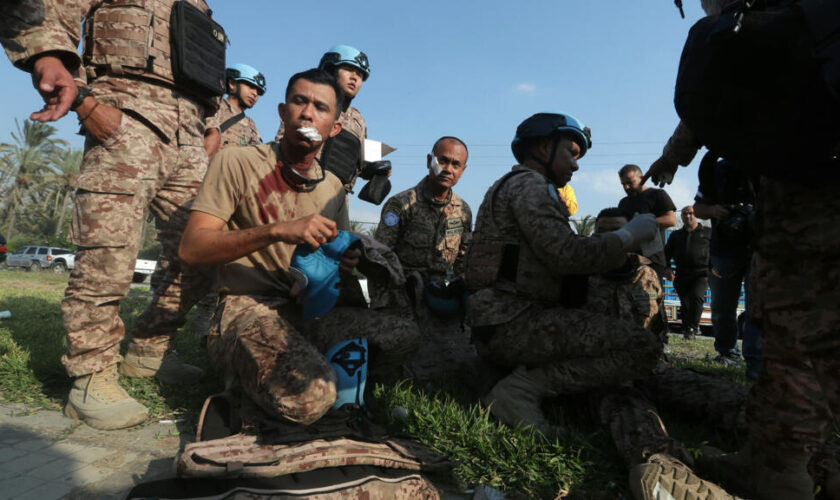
[242, 104]
[547, 164]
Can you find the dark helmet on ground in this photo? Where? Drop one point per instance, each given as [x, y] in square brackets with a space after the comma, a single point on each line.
[546, 124]
[345, 54]
[245, 73]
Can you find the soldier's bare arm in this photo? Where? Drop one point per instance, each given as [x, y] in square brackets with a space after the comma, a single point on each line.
[99, 119]
[668, 219]
[212, 141]
[709, 211]
[206, 242]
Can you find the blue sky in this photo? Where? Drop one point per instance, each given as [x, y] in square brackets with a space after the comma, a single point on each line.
[470, 69]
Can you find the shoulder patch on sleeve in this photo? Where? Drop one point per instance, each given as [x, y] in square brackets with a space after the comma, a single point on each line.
[390, 218]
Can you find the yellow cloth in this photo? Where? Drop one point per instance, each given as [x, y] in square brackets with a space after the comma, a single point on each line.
[568, 195]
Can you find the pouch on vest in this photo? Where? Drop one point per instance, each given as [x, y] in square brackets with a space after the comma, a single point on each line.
[445, 299]
[342, 156]
[758, 85]
[317, 273]
[349, 359]
[198, 50]
[378, 187]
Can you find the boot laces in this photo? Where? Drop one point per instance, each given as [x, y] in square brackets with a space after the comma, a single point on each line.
[107, 387]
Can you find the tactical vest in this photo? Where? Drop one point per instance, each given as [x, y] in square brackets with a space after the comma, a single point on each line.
[498, 258]
[132, 37]
[342, 154]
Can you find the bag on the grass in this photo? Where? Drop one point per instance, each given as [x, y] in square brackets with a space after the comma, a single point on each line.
[343, 455]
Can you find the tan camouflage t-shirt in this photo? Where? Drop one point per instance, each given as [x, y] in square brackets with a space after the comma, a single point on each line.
[245, 187]
[242, 133]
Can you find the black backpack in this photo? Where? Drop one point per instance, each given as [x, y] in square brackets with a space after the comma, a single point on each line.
[760, 85]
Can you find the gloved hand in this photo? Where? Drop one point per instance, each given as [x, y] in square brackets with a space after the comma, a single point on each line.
[641, 229]
[661, 171]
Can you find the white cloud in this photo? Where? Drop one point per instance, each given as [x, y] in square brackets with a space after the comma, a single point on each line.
[362, 214]
[526, 88]
[602, 181]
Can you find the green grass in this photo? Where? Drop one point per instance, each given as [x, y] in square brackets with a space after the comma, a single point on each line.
[582, 463]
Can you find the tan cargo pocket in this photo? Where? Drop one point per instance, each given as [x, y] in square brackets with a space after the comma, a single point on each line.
[104, 212]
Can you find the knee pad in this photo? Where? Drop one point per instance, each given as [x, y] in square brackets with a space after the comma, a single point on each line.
[349, 359]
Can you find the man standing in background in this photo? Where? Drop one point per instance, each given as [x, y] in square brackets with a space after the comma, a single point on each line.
[641, 199]
[689, 248]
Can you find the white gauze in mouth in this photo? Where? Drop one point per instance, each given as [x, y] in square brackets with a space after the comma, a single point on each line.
[310, 133]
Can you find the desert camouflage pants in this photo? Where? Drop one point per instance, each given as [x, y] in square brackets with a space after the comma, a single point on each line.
[278, 359]
[575, 350]
[795, 278]
[135, 170]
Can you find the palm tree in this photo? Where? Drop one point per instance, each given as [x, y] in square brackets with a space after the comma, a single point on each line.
[28, 158]
[367, 228]
[65, 168]
[585, 226]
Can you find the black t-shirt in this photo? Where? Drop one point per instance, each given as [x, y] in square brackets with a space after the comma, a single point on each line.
[650, 201]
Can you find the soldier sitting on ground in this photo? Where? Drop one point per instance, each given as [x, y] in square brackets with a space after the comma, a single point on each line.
[254, 207]
[428, 227]
[657, 462]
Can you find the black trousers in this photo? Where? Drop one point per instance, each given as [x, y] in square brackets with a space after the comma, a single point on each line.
[691, 290]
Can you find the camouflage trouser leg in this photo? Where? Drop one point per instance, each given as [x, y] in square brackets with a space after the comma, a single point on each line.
[575, 350]
[393, 338]
[119, 180]
[635, 426]
[277, 367]
[445, 349]
[180, 287]
[796, 272]
[792, 403]
[718, 401]
[204, 311]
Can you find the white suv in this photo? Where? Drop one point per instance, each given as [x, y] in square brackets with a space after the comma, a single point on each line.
[35, 258]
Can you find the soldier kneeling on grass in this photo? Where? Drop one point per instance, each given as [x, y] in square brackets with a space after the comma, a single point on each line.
[524, 266]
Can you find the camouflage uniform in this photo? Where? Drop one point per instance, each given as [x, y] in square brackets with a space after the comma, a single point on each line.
[633, 292]
[795, 294]
[794, 299]
[258, 334]
[242, 133]
[523, 247]
[430, 238]
[154, 161]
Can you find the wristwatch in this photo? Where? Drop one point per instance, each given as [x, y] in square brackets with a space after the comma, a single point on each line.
[83, 92]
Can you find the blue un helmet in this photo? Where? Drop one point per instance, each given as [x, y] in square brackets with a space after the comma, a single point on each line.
[545, 124]
[345, 54]
[245, 73]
